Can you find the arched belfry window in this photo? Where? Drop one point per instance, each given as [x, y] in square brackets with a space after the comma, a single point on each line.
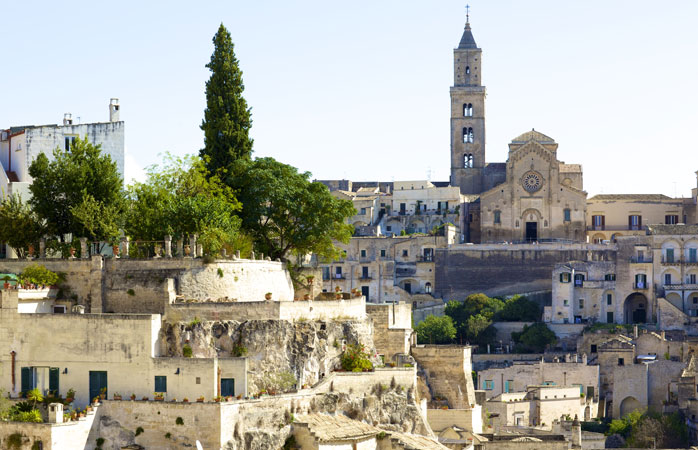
[468, 135]
[467, 70]
[467, 110]
[467, 160]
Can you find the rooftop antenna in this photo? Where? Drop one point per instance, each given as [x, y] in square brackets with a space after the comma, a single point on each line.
[467, 13]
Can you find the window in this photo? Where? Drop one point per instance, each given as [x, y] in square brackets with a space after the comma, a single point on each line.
[669, 255]
[467, 110]
[635, 222]
[389, 228]
[363, 253]
[621, 361]
[691, 278]
[593, 348]
[468, 160]
[566, 302]
[640, 281]
[467, 70]
[488, 385]
[568, 215]
[403, 208]
[610, 277]
[609, 317]
[365, 292]
[428, 254]
[468, 136]
[565, 320]
[405, 253]
[59, 309]
[427, 288]
[497, 217]
[160, 383]
[581, 303]
[609, 299]
[599, 222]
[198, 380]
[382, 253]
[692, 255]
[364, 272]
[69, 142]
[671, 219]
[338, 272]
[470, 218]
[325, 273]
[408, 288]
[667, 278]
[579, 279]
[363, 211]
[565, 277]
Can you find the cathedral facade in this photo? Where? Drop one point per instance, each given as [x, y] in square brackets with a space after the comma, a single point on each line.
[532, 197]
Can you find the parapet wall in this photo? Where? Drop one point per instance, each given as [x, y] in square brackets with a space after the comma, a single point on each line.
[501, 269]
[345, 309]
[146, 285]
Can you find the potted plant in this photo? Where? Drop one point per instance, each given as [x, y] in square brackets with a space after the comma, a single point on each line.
[338, 296]
[158, 396]
[306, 297]
[133, 396]
[174, 400]
[337, 289]
[310, 279]
[200, 399]
[117, 396]
[103, 393]
[145, 398]
[115, 250]
[239, 396]
[6, 279]
[217, 398]
[70, 395]
[95, 401]
[72, 252]
[185, 400]
[267, 296]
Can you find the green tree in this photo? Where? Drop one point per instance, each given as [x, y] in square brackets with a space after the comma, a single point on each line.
[178, 199]
[435, 330]
[20, 227]
[476, 312]
[520, 309]
[534, 338]
[79, 192]
[284, 212]
[476, 325]
[227, 120]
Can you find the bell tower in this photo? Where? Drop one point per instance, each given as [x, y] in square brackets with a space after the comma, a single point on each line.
[467, 115]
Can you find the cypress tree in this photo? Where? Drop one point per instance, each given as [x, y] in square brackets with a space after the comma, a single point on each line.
[227, 120]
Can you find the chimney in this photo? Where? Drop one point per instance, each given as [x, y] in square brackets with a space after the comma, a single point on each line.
[114, 110]
[576, 433]
[67, 119]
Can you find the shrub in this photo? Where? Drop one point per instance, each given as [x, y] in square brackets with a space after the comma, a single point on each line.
[139, 430]
[179, 421]
[238, 351]
[14, 440]
[33, 416]
[196, 321]
[100, 442]
[131, 292]
[168, 435]
[220, 272]
[38, 274]
[187, 351]
[278, 382]
[356, 357]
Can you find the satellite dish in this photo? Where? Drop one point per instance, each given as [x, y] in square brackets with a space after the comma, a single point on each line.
[198, 445]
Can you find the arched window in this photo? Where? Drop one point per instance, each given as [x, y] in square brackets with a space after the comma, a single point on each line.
[468, 160]
[427, 288]
[498, 217]
[467, 109]
[467, 70]
[468, 135]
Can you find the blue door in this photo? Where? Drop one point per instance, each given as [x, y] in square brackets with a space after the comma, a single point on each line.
[227, 387]
[98, 381]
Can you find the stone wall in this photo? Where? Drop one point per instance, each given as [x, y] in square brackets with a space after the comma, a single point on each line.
[52, 436]
[127, 285]
[448, 371]
[495, 269]
[392, 328]
[345, 309]
[348, 382]
[468, 419]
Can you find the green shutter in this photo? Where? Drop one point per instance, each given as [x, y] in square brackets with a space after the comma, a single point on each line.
[53, 377]
[160, 384]
[227, 387]
[27, 379]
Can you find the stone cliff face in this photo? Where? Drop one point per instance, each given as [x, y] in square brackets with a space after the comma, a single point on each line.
[309, 350]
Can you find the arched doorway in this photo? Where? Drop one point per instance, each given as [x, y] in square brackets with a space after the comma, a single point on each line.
[635, 308]
[628, 405]
[531, 219]
[587, 414]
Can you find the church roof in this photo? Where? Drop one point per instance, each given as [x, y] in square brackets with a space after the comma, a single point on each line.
[467, 41]
[641, 197]
[533, 135]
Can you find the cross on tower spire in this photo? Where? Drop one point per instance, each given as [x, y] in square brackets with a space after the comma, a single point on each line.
[467, 13]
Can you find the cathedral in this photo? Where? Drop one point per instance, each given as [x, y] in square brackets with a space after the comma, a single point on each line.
[533, 196]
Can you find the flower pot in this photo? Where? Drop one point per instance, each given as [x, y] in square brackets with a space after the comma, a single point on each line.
[117, 397]
[267, 296]
[115, 250]
[338, 296]
[6, 285]
[187, 250]
[337, 289]
[159, 399]
[306, 297]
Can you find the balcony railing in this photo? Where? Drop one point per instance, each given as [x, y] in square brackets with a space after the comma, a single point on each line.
[614, 228]
[681, 286]
[640, 285]
[672, 260]
[641, 259]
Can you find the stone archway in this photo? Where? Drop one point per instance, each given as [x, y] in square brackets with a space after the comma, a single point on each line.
[635, 308]
[628, 405]
[587, 414]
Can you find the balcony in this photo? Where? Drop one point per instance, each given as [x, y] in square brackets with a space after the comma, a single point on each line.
[681, 287]
[641, 259]
[365, 278]
[674, 261]
[640, 285]
[599, 284]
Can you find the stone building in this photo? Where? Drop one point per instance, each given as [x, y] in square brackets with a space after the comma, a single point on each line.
[659, 268]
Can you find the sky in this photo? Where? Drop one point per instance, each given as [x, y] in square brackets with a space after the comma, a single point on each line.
[360, 90]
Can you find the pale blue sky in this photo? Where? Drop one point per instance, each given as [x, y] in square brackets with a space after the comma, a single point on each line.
[359, 89]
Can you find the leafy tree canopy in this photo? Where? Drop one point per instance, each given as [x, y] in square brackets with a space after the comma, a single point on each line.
[284, 212]
[534, 338]
[20, 227]
[435, 330]
[520, 309]
[473, 318]
[79, 192]
[179, 199]
[227, 120]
